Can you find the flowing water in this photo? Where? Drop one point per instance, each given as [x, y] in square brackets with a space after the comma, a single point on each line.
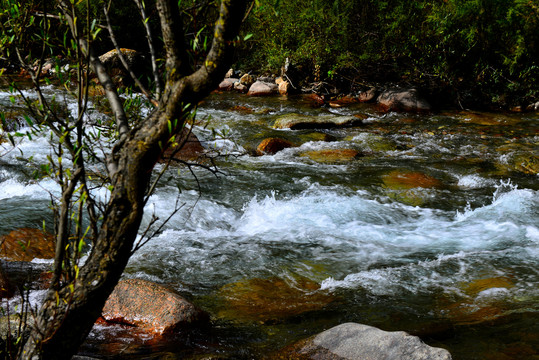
[432, 228]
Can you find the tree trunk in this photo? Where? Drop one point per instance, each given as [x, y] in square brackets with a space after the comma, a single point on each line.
[67, 315]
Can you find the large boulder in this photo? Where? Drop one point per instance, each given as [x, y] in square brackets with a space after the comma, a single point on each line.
[27, 244]
[299, 121]
[403, 100]
[351, 341]
[150, 307]
[262, 88]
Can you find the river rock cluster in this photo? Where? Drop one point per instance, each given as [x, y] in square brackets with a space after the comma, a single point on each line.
[392, 99]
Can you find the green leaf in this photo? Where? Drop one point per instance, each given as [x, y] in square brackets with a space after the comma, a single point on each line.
[28, 120]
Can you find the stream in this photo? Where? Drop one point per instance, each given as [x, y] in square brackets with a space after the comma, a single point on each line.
[431, 227]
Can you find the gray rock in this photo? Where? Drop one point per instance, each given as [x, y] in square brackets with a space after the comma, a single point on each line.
[353, 341]
[405, 100]
[227, 84]
[261, 88]
[299, 121]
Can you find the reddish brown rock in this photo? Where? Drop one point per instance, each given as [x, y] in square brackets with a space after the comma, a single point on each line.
[186, 148]
[150, 307]
[27, 244]
[402, 180]
[241, 109]
[343, 101]
[272, 146]
[315, 99]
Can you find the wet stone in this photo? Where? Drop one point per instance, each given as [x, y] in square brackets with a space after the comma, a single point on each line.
[332, 155]
[27, 244]
[351, 341]
[401, 179]
[150, 307]
[299, 121]
[272, 146]
[271, 299]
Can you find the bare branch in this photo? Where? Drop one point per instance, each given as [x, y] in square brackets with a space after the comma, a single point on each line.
[105, 80]
[155, 69]
[124, 61]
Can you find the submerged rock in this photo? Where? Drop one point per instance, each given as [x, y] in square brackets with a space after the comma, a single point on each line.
[486, 119]
[410, 187]
[27, 244]
[299, 121]
[351, 341]
[372, 142]
[271, 299]
[526, 163]
[403, 100]
[332, 155]
[150, 307]
[272, 146]
[402, 180]
[484, 300]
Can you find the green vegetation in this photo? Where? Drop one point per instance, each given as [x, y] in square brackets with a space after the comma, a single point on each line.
[479, 52]
[483, 51]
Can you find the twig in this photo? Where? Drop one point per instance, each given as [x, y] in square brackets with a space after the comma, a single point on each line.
[125, 64]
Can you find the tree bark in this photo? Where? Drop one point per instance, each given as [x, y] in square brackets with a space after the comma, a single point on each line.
[68, 314]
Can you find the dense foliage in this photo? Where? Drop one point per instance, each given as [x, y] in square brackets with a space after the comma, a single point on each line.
[485, 50]
[478, 51]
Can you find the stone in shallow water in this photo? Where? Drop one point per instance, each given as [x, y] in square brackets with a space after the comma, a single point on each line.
[404, 100]
[332, 155]
[272, 146]
[299, 121]
[410, 187]
[486, 299]
[402, 179]
[150, 307]
[27, 244]
[271, 299]
[351, 341]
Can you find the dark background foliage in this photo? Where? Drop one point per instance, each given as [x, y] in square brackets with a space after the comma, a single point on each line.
[479, 52]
